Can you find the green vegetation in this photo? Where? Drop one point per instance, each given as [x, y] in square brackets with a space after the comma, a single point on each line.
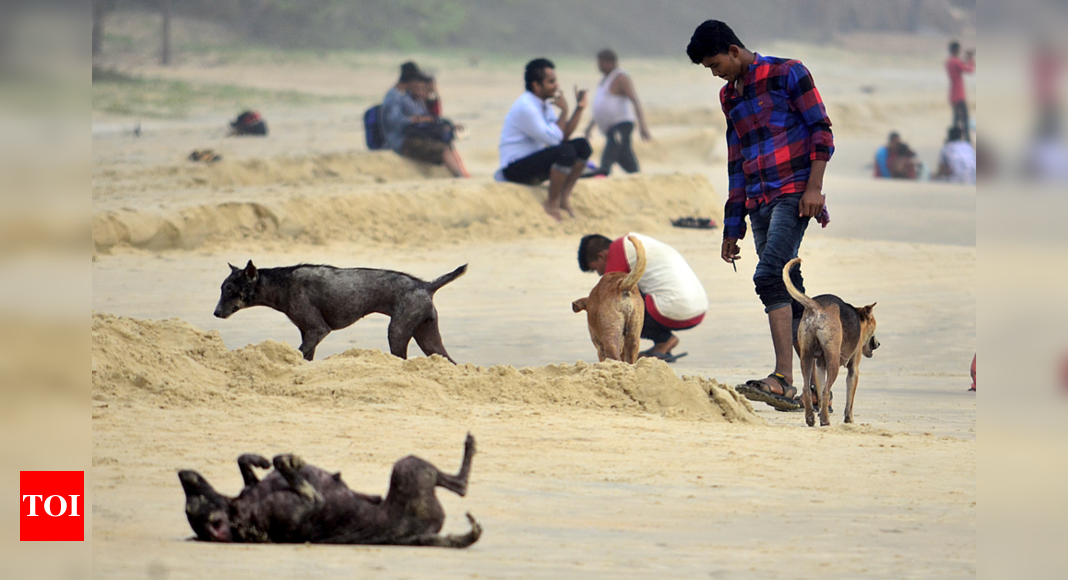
[121, 94]
[492, 35]
[525, 27]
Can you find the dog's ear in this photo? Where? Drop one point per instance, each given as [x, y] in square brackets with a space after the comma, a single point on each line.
[233, 268]
[865, 312]
[251, 272]
[579, 305]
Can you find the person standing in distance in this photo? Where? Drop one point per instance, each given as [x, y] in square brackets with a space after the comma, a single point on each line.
[615, 109]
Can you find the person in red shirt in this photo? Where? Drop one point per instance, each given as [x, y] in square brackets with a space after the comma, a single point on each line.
[955, 68]
[1046, 65]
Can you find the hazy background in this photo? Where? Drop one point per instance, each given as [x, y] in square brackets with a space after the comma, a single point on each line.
[519, 27]
[45, 163]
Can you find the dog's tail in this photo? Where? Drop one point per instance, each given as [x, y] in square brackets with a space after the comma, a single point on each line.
[631, 281]
[797, 294]
[440, 281]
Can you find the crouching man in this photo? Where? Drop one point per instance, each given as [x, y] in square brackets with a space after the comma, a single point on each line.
[674, 297]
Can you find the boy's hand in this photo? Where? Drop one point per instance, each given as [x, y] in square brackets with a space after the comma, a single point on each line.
[729, 252]
[812, 202]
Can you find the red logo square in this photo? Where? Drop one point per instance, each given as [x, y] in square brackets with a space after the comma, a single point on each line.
[52, 506]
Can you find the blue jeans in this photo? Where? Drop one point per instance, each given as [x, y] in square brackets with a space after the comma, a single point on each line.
[777, 230]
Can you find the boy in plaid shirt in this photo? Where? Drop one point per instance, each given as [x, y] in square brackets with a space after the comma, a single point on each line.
[779, 141]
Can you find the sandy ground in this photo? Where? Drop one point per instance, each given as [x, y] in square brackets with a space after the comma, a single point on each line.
[584, 470]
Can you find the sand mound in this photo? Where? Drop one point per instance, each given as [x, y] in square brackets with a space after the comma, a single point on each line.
[174, 363]
[672, 145]
[356, 167]
[874, 115]
[420, 213]
[711, 117]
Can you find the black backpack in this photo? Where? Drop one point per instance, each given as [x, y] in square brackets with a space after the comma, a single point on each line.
[249, 123]
[439, 130]
[372, 128]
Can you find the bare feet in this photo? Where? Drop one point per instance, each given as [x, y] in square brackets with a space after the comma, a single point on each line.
[566, 206]
[666, 346]
[553, 211]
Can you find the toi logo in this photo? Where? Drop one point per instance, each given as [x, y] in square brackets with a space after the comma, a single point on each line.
[52, 506]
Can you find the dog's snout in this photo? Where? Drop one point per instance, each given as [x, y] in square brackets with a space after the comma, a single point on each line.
[874, 343]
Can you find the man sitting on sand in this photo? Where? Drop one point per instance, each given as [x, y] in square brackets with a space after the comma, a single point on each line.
[895, 159]
[674, 297]
[534, 141]
[404, 110]
[956, 162]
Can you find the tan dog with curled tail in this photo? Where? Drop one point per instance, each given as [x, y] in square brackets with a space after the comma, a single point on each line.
[832, 333]
[615, 311]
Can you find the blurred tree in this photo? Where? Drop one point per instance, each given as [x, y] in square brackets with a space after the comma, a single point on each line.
[165, 50]
[529, 26]
[100, 10]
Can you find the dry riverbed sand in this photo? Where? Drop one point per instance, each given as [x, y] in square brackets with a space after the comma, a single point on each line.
[585, 469]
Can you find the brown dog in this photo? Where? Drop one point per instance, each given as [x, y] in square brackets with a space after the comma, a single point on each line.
[832, 333]
[615, 311]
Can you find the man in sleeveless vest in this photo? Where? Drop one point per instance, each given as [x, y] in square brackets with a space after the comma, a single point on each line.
[615, 109]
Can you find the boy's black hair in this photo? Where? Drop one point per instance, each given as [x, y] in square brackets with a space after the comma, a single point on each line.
[589, 247]
[535, 71]
[608, 55]
[954, 48]
[712, 37]
[955, 133]
[410, 72]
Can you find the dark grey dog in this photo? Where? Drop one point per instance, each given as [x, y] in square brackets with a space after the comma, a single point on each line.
[319, 299]
[299, 503]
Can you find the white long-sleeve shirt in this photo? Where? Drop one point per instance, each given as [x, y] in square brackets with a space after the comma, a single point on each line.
[529, 127]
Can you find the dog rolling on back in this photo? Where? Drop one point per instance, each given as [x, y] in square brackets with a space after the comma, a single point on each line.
[615, 311]
[299, 503]
[832, 334]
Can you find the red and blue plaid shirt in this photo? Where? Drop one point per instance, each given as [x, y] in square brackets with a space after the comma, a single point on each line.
[775, 129]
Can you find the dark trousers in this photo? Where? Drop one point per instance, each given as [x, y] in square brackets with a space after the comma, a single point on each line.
[656, 332]
[534, 168]
[618, 149]
[960, 119]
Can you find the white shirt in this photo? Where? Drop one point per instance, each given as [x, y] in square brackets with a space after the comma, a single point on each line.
[675, 289]
[529, 127]
[960, 157]
[1047, 160]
